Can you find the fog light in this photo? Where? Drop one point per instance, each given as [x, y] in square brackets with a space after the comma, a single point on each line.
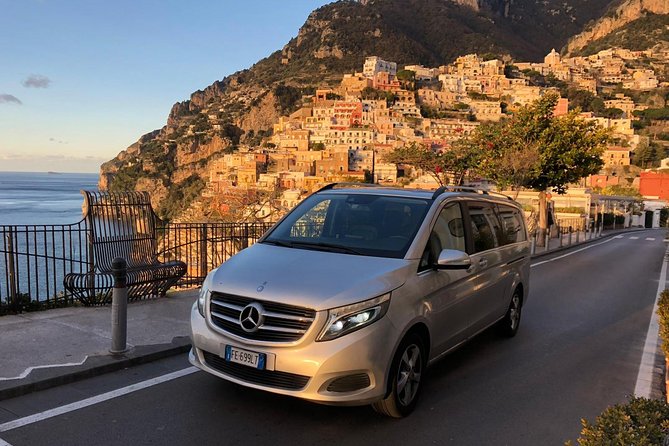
[349, 383]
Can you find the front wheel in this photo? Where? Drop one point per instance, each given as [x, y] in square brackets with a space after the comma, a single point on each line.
[406, 375]
[508, 326]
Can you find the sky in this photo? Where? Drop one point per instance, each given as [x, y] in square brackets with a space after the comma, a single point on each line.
[82, 80]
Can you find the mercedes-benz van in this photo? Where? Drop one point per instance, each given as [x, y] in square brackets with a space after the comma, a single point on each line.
[357, 290]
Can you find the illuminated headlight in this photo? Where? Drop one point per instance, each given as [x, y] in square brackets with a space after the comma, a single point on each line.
[204, 293]
[344, 320]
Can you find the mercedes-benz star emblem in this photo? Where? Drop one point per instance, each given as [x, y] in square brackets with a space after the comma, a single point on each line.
[252, 317]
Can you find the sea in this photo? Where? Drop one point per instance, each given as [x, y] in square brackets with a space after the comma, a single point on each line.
[30, 198]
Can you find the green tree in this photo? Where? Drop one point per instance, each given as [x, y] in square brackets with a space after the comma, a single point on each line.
[418, 156]
[371, 93]
[584, 100]
[537, 150]
[613, 113]
[454, 162]
[407, 78]
[511, 71]
[552, 81]
[660, 114]
[646, 155]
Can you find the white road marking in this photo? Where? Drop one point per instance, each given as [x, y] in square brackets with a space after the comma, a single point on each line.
[650, 239]
[618, 236]
[634, 238]
[570, 253]
[27, 371]
[644, 380]
[94, 400]
[4, 443]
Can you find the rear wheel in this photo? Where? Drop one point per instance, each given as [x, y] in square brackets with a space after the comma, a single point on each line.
[509, 325]
[406, 375]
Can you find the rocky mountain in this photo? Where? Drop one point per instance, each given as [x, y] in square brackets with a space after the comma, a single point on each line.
[641, 34]
[617, 20]
[172, 162]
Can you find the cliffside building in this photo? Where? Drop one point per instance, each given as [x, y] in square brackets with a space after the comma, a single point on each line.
[375, 64]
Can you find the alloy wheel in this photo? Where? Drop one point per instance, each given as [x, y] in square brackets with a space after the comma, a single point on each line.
[409, 374]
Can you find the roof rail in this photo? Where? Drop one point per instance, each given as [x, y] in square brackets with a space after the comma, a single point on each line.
[333, 185]
[475, 190]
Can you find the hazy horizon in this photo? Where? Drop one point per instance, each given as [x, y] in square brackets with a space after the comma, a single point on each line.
[49, 171]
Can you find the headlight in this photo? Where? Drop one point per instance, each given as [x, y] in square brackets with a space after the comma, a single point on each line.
[344, 320]
[204, 292]
[201, 300]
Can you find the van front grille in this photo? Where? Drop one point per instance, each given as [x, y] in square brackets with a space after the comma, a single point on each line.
[279, 322]
[270, 378]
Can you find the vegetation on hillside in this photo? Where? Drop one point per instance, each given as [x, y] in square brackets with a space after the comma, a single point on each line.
[180, 196]
[641, 34]
[648, 155]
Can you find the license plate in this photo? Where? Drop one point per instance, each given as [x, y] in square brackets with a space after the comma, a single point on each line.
[245, 357]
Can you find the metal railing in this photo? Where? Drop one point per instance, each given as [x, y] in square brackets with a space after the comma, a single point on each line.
[35, 258]
[576, 223]
[204, 246]
[566, 235]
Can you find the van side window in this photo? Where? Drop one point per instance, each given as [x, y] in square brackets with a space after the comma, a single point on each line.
[448, 233]
[512, 225]
[485, 226]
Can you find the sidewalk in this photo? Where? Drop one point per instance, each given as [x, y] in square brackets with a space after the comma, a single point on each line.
[50, 348]
[53, 347]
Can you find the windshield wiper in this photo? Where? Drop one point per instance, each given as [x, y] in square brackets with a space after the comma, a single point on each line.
[278, 243]
[328, 247]
[308, 245]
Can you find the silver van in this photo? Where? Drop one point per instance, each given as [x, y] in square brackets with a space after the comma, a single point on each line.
[357, 290]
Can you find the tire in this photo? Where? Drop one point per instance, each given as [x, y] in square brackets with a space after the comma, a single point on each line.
[406, 374]
[508, 326]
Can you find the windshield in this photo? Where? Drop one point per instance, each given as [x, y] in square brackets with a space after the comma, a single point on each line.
[369, 225]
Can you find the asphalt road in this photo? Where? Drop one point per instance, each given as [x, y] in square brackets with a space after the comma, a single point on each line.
[578, 351]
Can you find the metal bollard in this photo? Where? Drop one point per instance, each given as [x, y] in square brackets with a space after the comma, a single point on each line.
[548, 240]
[560, 234]
[119, 307]
[570, 231]
[578, 235]
[533, 244]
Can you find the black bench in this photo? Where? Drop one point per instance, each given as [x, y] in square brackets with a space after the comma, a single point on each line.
[121, 225]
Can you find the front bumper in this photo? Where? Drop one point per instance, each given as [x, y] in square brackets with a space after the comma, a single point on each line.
[324, 366]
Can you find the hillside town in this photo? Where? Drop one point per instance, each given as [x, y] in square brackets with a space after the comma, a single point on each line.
[344, 133]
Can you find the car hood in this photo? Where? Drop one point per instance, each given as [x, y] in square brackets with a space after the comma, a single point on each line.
[308, 278]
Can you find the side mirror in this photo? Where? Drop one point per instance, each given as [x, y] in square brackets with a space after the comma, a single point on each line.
[453, 259]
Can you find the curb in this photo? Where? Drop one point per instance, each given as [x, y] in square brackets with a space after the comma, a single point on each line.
[584, 242]
[42, 379]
